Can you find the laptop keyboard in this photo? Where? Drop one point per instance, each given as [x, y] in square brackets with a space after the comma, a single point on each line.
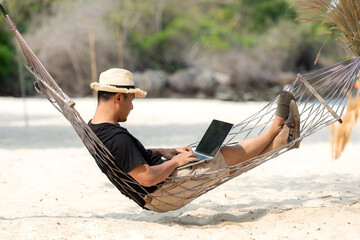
[201, 157]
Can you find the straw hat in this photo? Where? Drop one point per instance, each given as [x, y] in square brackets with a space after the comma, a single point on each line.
[117, 80]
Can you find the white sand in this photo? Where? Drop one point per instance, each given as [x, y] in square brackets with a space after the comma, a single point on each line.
[51, 188]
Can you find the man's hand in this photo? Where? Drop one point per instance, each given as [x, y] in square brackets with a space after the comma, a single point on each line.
[183, 149]
[185, 157]
[170, 153]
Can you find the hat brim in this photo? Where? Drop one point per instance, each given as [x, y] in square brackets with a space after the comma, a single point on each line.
[106, 88]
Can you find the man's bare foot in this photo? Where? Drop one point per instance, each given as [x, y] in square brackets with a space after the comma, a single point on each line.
[282, 138]
[277, 125]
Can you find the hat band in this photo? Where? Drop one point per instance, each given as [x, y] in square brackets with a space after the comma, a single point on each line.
[120, 86]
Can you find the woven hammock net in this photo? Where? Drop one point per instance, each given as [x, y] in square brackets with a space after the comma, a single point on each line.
[321, 97]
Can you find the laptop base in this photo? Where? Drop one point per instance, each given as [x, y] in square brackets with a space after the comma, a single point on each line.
[193, 163]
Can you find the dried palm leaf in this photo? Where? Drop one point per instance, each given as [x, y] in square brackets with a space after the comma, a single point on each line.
[340, 133]
[342, 17]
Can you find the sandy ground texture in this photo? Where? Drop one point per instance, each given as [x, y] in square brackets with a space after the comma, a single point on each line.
[51, 187]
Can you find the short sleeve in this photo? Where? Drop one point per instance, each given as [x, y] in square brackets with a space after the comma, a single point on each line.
[126, 152]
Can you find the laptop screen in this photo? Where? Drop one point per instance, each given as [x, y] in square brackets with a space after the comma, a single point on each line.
[214, 137]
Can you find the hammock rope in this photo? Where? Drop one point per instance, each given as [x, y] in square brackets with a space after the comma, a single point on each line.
[321, 97]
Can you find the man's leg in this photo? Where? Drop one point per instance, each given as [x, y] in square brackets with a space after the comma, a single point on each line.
[290, 131]
[252, 147]
[276, 136]
[279, 141]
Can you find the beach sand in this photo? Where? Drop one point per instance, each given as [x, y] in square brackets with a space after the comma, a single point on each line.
[51, 188]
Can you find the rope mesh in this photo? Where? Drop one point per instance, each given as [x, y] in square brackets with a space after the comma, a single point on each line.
[321, 97]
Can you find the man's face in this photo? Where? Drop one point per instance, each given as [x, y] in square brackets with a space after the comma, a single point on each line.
[125, 106]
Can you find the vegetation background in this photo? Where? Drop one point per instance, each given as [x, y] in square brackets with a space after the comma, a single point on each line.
[247, 46]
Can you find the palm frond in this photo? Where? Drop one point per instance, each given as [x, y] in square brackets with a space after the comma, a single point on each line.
[342, 17]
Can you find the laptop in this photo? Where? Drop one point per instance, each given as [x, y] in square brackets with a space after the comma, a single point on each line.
[211, 142]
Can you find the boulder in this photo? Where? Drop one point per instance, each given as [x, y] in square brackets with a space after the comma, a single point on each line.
[205, 83]
[184, 81]
[225, 93]
[223, 79]
[152, 81]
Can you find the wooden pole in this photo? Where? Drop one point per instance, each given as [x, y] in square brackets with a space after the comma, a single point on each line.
[22, 86]
[21, 75]
[92, 56]
[119, 46]
[321, 100]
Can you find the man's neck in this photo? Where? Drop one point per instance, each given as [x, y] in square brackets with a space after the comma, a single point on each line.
[104, 115]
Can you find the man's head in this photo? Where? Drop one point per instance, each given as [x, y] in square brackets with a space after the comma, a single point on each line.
[117, 106]
[116, 91]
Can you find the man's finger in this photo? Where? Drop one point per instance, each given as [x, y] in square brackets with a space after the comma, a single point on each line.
[189, 149]
[194, 159]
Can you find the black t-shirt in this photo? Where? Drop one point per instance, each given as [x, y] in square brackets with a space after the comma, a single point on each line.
[128, 153]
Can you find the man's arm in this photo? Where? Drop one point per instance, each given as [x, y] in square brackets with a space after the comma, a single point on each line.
[148, 176]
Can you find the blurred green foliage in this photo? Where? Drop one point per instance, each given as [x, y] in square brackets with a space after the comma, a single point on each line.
[262, 14]
[7, 62]
[210, 26]
[5, 53]
[22, 12]
[162, 34]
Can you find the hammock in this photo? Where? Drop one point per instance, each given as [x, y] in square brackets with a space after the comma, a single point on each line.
[321, 97]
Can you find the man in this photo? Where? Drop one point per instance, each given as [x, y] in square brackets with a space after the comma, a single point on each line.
[116, 91]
